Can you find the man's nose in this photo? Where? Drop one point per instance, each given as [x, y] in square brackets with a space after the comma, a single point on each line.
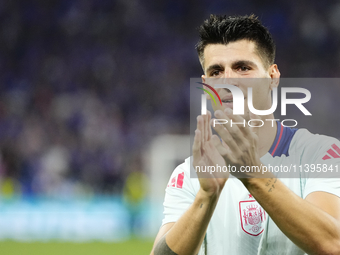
[228, 73]
[229, 77]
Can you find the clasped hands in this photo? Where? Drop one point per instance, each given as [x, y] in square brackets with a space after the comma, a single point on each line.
[236, 148]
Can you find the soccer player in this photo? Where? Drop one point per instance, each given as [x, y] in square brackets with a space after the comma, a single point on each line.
[247, 214]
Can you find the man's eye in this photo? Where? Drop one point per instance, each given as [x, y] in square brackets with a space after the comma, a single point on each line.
[215, 73]
[243, 68]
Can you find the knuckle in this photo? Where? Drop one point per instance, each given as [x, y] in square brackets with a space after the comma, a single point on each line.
[236, 133]
[224, 154]
[245, 145]
[237, 159]
[206, 146]
[233, 131]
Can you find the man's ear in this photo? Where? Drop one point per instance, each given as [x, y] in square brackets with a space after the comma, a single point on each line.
[274, 75]
[203, 78]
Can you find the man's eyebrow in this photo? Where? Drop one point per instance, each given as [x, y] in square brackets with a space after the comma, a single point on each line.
[234, 64]
[243, 63]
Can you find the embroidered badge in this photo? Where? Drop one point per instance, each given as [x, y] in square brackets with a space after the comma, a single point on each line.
[252, 217]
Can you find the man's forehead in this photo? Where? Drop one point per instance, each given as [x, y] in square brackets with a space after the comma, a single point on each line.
[229, 53]
[239, 44]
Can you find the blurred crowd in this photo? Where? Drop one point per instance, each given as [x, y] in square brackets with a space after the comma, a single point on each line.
[86, 84]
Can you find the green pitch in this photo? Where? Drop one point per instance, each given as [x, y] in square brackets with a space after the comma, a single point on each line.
[131, 247]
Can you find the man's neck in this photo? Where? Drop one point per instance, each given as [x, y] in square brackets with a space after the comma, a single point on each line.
[267, 134]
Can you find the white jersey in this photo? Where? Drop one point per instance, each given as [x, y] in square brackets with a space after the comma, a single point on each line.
[239, 225]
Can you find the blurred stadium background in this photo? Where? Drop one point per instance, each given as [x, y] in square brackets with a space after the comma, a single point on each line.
[94, 110]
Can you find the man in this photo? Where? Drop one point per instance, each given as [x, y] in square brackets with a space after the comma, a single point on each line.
[248, 214]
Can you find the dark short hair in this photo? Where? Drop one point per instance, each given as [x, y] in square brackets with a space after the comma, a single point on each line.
[221, 29]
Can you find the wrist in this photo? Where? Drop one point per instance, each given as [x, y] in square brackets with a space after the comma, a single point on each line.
[208, 195]
[255, 178]
[255, 183]
[250, 182]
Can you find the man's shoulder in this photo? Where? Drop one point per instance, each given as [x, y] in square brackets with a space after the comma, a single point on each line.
[304, 134]
[183, 176]
[307, 143]
[304, 137]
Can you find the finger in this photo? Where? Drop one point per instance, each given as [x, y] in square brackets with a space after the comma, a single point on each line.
[255, 125]
[225, 145]
[215, 156]
[218, 145]
[225, 152]
[218, 140]
[233, 129]
[196, 148]
[227, 138]
[206, 133]
[200, 127]
[211, 150]
[212, 154]
[209, 131]
[238, 121]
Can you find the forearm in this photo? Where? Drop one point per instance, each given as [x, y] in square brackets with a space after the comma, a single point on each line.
[309, 227]
[187, 234]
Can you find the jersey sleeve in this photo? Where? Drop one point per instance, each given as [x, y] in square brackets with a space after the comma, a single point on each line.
[329, 185]
[179, 193]
[324, 157]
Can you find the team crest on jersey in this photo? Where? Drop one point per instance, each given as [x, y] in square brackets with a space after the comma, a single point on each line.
[252, 217]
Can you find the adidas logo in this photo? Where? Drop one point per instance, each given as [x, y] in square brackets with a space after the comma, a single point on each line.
[334, 152]
[177, 181]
